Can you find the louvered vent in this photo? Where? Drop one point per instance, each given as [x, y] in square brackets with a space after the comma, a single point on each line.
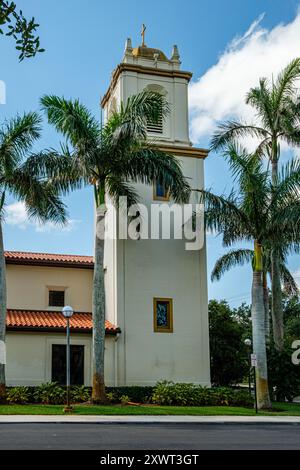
[155, 127]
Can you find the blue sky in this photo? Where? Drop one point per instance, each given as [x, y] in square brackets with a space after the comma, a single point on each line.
[84, 41]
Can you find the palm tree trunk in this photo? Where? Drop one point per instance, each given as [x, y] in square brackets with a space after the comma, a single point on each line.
[98, 392]
[2, 318]
[277, 310]
[258, 331]
[266, 306]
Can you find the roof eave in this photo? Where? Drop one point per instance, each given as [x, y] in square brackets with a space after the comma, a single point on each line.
[49, 263]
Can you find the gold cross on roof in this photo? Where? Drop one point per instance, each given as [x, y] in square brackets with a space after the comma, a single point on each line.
[143, 34]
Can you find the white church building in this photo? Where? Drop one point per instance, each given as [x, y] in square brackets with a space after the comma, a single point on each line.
[156, 289]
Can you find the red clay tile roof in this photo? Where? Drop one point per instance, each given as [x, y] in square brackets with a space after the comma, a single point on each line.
[22, 257]
[48, 319]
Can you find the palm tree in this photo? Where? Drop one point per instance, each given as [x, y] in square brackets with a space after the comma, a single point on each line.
[238, 257]
[257, 212]
[277, 106]
[111, 157]
[18, 179]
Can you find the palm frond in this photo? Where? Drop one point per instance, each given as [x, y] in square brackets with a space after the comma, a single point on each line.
[229, 260]
[284, 87]
[17, 137]
[260, 98]
[61, 170]
[40, 197]
[148, 165]
[130, 123]
[222, 212]
[73, 120]
[286, 189]
[289, 284]
[117, 187]
[231, 130]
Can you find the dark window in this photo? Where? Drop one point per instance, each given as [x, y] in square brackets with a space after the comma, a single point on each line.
[56, 298]
[161, 193]
[163, 315]
[59, 364]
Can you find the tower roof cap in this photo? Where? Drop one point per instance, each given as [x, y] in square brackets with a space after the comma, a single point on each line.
[149, 53]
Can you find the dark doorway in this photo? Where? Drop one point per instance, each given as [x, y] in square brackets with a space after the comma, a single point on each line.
[59, 364]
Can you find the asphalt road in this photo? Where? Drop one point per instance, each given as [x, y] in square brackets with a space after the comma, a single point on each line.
[81, 436]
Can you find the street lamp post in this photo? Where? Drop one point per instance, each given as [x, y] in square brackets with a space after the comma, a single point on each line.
[252, 364]
[248, 343]
[67, 312]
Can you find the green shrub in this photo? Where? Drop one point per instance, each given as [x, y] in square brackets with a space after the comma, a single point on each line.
[80, 394]
[283, 375]
[185, 394]
[228, 354]
[136, 393]
[111, 397]
[124, 399]
[18, 395]
[50, 394]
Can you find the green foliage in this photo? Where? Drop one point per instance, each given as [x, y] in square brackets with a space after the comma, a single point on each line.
[113, 155]
[135, 394]
[257, 210]
[22, 180]
[22, 30]
[50, 394]
[227, 331]
[80, 394]
[18, 395]
[284, 376]
[291, 315]
[111, 397]
[124, 399]
[276, 104]
[185, 394]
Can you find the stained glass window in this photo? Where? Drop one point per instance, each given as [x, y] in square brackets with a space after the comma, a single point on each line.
[160, 193]
[163, 315]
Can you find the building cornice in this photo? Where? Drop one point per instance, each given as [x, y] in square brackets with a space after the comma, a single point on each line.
[124, 67]
[180, 151]
[41, 329]
[52, 264]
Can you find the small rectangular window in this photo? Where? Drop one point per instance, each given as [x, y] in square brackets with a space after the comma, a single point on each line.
[160, 192]
[163, 315]
[56, 298]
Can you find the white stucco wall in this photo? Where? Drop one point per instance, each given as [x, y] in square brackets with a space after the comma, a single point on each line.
[161, 268]
[29, 357]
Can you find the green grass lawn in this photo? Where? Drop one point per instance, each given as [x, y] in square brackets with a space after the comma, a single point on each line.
[280, 409]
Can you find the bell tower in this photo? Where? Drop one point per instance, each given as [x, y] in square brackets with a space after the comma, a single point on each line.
[147, 68]
[156, 290]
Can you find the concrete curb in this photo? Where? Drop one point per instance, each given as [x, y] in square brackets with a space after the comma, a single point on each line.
[111, 419]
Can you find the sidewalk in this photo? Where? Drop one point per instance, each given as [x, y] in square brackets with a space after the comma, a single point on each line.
[149, 419]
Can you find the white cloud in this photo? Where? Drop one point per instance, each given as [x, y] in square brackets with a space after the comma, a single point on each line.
[16, 215]
[220, 93]
[296, 276]
[2, 92]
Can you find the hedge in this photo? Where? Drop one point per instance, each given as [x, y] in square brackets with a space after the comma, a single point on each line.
[164, 393]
